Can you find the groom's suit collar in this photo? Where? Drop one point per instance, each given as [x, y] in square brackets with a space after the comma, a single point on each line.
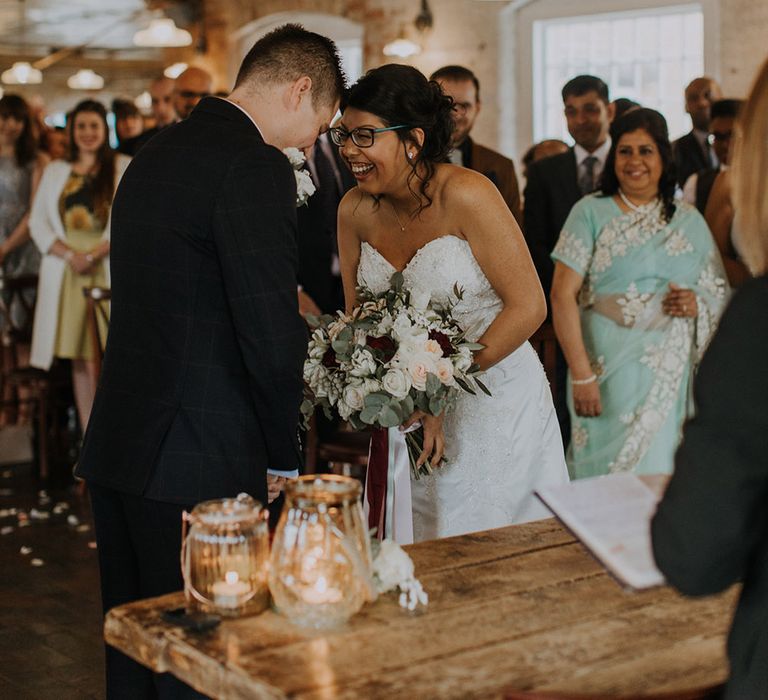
[225, 109]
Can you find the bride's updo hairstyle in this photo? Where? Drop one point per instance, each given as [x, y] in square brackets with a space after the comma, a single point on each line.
[399, 94]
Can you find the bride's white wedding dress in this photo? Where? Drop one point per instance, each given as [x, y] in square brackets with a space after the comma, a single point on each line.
[500, 448]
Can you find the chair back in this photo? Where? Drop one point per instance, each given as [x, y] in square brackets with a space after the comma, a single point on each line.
[17, 308]
[97, 301]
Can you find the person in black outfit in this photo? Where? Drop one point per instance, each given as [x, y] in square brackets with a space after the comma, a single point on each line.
[202, 376]
[711, 527]
[161, 92]
[556, 183]
[693, 152]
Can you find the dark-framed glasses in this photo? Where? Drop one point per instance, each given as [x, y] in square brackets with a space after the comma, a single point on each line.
[362, 136]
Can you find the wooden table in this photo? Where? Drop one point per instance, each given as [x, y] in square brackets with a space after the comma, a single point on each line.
[522, 607]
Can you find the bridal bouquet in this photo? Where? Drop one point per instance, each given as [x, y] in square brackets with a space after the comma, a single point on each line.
[305, 188]
[393, 354]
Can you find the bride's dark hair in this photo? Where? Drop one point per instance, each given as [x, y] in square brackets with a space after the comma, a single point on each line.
[399, 94]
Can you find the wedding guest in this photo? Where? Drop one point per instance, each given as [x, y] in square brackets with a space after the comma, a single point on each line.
[202, 376]
[637, 292]
[699, 185]
[721, 217]
[555, 184]
[711, 527]
[70, 225]
[128, 123]
[21, 166]
[163, 112]
[55, 143]
[622, 105]
[542, 149]
[693, 152]
[189, 88]
[462, 85]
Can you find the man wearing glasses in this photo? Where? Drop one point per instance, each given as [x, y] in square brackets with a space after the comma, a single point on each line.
[462, 85]
[191, 86]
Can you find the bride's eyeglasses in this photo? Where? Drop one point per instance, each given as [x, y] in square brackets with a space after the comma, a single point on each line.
[362, 137]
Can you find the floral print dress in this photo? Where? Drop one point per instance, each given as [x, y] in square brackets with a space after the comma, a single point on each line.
[643, 358]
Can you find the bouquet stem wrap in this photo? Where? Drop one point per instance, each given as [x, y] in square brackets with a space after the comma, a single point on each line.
[387, 498]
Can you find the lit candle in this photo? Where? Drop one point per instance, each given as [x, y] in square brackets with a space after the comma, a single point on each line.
[231, 592]
[320, 593]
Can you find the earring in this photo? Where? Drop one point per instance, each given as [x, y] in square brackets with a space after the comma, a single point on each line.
[410, 155]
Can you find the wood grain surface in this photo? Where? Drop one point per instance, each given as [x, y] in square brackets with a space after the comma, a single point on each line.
[523, 607]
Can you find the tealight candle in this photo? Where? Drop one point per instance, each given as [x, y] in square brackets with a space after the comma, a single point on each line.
[231, 592]
[320, 593]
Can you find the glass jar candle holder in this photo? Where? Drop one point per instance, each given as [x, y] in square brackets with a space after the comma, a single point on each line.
[320, 572]
[225, 556]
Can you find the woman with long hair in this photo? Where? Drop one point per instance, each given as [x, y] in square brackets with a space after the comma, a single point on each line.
[70, 225]
[711, 527]
[637, 291]
[441, 226]
[21, 167]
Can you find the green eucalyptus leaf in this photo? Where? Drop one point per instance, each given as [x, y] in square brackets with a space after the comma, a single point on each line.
[465, 386]
[388, 418]
[375, 400]
[433, 384]
[369, 414]
[482, 386]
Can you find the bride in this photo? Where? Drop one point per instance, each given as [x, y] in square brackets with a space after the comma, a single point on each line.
[440, 225]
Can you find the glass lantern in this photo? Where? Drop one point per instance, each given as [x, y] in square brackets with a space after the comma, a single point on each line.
[225, 556]
[320, 573]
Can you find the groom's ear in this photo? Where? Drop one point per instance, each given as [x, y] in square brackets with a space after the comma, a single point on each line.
[299, 90]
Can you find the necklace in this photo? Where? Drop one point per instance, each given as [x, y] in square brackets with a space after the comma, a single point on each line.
[641, 208]
[400, 223]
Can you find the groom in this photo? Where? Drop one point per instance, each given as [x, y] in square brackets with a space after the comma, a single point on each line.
[201, 380]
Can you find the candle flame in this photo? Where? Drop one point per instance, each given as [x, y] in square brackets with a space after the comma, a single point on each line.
[231, 577]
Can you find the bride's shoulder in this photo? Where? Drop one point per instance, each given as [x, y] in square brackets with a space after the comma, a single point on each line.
[355, 205]
[464, 187]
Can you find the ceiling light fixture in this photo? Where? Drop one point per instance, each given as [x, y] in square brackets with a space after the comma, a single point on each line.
[22, 73]
[175, 70]
[143, 102]
[85, 79]
[162, 33]
[403, 47]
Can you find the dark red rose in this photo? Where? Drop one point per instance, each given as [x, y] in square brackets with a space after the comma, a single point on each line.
[383, 343]
[329, 359]
[443, 341]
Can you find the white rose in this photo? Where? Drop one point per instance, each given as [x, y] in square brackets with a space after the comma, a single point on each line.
[396, 383]
[385, 325]
[305, 188]
[295, 156]
[362, 363]
[445, 371]
[419, 365]
[344, 409]
[391, 566]
[401, 327]
[464, 360]
[354, 396]
[335, 328]
[371, 386]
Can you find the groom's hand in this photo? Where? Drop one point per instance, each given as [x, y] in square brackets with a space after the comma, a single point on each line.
[275, 484]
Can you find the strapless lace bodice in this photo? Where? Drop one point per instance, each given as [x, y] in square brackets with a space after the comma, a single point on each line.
[432, 273]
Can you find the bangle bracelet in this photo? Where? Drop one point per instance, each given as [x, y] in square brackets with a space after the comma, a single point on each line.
[581, 382]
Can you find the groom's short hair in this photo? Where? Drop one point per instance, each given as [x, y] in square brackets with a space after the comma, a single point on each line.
[290, 52]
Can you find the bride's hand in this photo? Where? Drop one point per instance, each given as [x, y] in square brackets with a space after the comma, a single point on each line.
[434, 440]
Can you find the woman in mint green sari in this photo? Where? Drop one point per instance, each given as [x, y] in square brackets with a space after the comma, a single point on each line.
[638, 288]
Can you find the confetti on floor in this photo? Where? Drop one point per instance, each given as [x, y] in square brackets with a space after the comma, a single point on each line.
[37, 562]
[92, 545]
[83, 528]
[25, 550]
[7, 530]
[73, 520]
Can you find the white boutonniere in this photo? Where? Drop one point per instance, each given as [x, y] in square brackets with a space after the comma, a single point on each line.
[305, 188]
[393, 568]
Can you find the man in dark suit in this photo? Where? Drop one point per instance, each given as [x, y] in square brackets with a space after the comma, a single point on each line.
[462, 85]
[556, 183]
[202, 376]
[693, 152]
[319, 276]
[161, 93]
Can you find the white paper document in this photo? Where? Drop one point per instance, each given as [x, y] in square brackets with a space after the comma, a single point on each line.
[611, 515]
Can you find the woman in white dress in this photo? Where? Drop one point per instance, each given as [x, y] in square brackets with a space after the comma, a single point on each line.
[441, 225]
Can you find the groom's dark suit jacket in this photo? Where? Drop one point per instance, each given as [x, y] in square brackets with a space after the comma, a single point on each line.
[201, 381]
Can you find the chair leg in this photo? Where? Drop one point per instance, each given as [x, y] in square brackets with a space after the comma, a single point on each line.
[42, 427]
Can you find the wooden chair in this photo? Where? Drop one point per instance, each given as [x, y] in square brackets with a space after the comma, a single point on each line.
[544, 342]
[345, 451]
[97, 300]
[704, 693]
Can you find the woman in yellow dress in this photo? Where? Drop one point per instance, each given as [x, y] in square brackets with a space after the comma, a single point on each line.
[70, 225]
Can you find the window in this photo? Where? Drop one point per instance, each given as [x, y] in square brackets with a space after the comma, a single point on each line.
[646, 55]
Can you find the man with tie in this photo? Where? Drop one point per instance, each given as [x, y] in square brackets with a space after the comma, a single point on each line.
[693, 152]
[320, 284]
[556, 183]
[462, 85]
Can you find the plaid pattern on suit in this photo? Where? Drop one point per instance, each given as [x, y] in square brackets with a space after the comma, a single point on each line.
[201, 381]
